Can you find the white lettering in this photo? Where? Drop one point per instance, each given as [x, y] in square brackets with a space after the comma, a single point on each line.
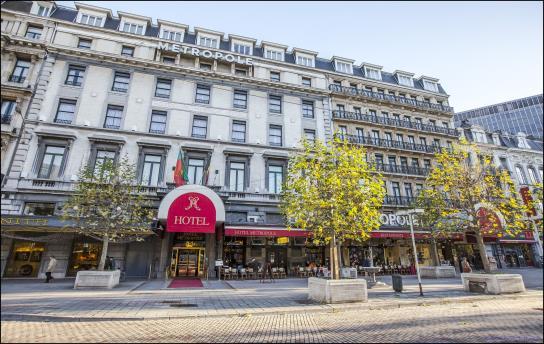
[175, 48]
[392, 219]
[218, 55]
[229, 58]
[384, 219]
[207, 53]
[163, 46]
[195, 51]
[401, 220]
[185, 49]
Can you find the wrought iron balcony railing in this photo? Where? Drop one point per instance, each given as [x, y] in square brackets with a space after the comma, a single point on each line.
[371, 141]
[6, 119]
[402, 169]
[389, 98]
[393, 122]
[17, 78]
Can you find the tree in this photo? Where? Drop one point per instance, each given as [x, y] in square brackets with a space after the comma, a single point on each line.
[466, 192]
[333, 192]
[108, 204]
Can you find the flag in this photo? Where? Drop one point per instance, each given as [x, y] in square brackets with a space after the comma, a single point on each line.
[206, 173]
[180, 173]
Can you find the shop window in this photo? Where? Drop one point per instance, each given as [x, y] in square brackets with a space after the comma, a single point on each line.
[39, 209]
[25, 259]
[85, 256]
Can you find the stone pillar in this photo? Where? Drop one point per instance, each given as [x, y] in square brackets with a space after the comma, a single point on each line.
[210, 254]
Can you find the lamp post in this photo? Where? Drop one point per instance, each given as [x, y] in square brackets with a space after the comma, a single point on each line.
[410, 220]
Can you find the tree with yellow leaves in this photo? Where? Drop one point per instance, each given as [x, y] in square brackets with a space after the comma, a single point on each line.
[466, 192]
[333, 192]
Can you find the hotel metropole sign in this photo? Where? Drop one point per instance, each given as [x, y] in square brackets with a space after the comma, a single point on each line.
[216, 55]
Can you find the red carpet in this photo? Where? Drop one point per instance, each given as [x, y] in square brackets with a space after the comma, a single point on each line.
[186, 283]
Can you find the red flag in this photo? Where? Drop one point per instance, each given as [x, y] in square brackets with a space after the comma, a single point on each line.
[180, 173]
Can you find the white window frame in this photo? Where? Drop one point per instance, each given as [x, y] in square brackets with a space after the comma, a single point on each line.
[246, 48]
[213, 41]
[369, 71]
[170, 35]
[430, 85]
[305, 60]
[132, 26]
[273, 54]
[405, 80]
[46, 10]
[92, 20]
[344, 67]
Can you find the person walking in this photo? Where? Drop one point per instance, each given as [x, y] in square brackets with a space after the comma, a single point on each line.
[466, 266]
[50, 268]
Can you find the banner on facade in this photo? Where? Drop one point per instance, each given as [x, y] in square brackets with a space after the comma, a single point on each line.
[191, 212]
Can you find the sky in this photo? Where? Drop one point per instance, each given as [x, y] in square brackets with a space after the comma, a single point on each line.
[482, 52]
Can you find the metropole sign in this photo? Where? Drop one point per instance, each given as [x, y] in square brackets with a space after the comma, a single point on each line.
[216, 55]
[397, 220]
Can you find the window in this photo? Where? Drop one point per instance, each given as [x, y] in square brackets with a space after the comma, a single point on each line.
[412, 140]
[240, 72]
[337, 82]
[419, 122]
[430, 86]
[408, 190]
[43, 11]
[91, 20]
[39, 209]
[151, 169]
[343, 67]
[240, 99]
[396, 189]
[84, 43]
[423, 141]
[343, 131]
[360, 133]
[206, 66]
[113, 117]
[52, 162]
[504, 163]
[169, 60]
[120, 82]
[275, 135]
[133, 28]
[400, 138]
[163, 88]
[202, 94]
[376, 136]
[241, 49]
[340, 108]
[237, 176]
[521, 175]
[415, 162]
[532, 175]
[305, 61]
[275, 76]
[445, 124]
[75, 75]
[309, 135]
[419, 187]
[392, 160]
[274, 55]
[373, 73]
[171, 35]
[33, 32]
[20, 71]
[436, 142]
[427, 164]
[405, 80]
[275, 178]
[195, 171]
[357, 110]
[65, 111]
[102, 156]
[432, 122]
[200, 127]
[379, 160]
[7, 110]
[239, 131]
[388, 137]
[307, 109]
[207, 42]
[158, 122]
[274, 104]
[307, 82]
[396, 116]
[479, 136]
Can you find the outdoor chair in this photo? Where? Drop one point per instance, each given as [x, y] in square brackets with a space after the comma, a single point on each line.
[251, 274]
[260, 273]
[225, 272]
[243, 274]
[233, 273]
[302, 272]
[282, 273]
[275, 273]
[309, 272]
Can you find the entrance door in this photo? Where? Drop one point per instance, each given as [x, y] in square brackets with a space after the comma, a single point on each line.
[277, 256]
[187, 262]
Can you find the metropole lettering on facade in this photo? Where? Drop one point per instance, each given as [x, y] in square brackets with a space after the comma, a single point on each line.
[217, 55]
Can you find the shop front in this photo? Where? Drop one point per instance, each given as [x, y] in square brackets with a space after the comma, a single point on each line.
[25, 259]
[188, 255]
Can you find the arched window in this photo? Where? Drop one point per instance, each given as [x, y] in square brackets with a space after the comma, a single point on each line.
[532, 175]
[521, 175]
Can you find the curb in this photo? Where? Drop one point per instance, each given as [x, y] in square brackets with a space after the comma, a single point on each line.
[325, 309]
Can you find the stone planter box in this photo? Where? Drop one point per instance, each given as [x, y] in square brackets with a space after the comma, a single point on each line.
[493, 284]
[437, 271]
[337, 291]
[97, 279]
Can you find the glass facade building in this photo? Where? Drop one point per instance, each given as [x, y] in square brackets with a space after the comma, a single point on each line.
[523, 115]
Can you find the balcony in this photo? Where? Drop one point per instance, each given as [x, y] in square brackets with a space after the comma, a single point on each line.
[398, 200]
[355, 116]
[6, 119]
[389, 98]
[401, 145]
[17, 78]
[402, 169]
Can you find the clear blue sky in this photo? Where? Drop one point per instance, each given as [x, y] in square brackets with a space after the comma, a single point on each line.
[482, 52]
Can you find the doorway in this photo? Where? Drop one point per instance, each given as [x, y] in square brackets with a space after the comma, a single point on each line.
[187, 262]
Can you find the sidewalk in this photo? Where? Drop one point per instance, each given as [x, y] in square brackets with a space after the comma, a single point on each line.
[141, 300]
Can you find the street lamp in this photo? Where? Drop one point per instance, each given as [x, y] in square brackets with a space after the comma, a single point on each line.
[410, 220]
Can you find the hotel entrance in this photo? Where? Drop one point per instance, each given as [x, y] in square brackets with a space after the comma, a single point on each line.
[187, 262]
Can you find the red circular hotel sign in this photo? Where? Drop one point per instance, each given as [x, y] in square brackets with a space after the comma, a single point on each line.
[191, 212]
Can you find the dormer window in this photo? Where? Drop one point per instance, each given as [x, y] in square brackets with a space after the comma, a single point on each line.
[91, 20]
[405, 80]
[496, 140]
[343, 67]
[172, 35]
[373, 73]
[430, 86]
[479, 136]
[241, 49]
[305, 61]
[207, 42]
[522, 142]
[274, 55]
[133, 28]
[43, 11]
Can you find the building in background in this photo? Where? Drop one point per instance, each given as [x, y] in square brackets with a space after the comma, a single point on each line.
[521, 115]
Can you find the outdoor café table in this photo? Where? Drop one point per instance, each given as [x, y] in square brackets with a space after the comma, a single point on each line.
[371, 271]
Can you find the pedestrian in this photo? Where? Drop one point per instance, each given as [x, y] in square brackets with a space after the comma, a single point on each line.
[50, 268]
[466, 266]
[107, 263]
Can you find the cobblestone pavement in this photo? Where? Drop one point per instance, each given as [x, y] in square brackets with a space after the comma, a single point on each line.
[491, 320]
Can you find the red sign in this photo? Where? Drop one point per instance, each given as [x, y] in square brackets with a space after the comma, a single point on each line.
[528, 200]
[191, 212]
[265, 232]
[489, 221]
[399, 235]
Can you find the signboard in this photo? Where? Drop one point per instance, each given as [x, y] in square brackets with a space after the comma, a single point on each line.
[218, 262]
[265, 232]
[216, 55]
[191, 212]
[397, 220]
[489, 221]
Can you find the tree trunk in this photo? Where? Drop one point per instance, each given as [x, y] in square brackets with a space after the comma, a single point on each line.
[334, 259]
[434, 252]
[105, 241]
[483, 254]
[339, 260]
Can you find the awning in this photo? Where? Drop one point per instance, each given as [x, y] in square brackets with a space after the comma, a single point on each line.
[517, 241]
[246, 231]
[399, 235]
